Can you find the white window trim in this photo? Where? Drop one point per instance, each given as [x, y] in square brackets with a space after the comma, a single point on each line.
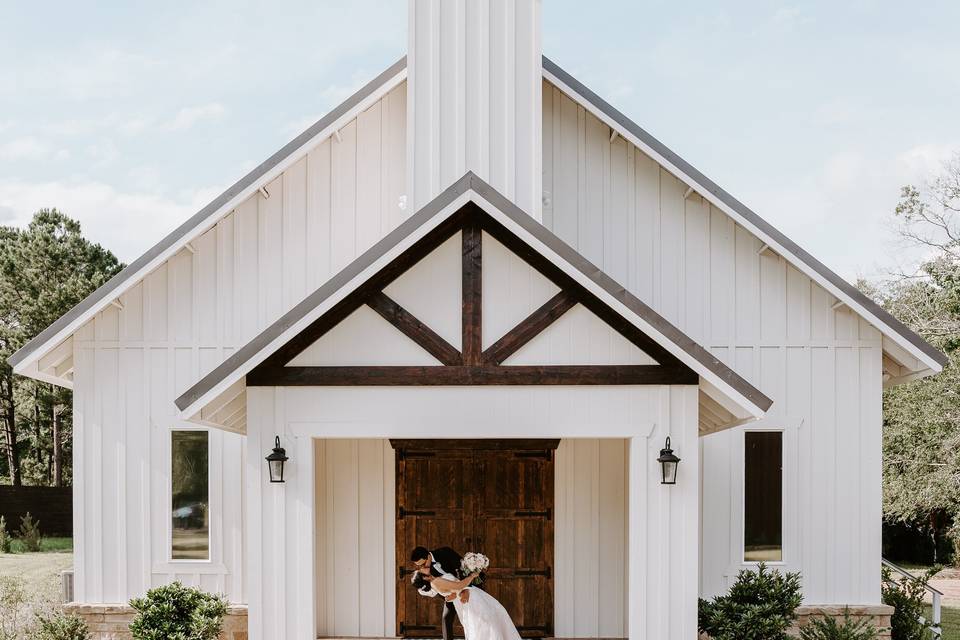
[170, 561]
[790, 553]
[783, 496]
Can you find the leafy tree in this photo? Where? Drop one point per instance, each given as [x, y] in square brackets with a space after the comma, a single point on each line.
[921, 430]
[45, 270]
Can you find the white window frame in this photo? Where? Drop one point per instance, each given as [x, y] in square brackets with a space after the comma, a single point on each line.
[790, 559]
[743, 496]
[168, 496]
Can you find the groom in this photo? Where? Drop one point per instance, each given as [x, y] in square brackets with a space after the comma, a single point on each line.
[433, 564]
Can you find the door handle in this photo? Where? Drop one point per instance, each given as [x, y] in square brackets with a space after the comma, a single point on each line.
[401, 512]
[522, 513]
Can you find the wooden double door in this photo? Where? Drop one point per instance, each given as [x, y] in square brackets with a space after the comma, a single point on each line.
[493, 497]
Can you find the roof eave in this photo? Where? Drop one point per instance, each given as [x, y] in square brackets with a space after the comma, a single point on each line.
[748, 402]
[201, 221]
[684, 171]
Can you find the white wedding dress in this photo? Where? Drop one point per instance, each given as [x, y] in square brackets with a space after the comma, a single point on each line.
[483, 617]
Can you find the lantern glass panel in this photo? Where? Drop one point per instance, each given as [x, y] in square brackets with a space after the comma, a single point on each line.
[276, 470]
[669, 472]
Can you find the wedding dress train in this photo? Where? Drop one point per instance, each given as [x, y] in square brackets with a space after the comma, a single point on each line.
[483, 617]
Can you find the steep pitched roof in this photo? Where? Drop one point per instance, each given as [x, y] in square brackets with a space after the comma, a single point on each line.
[889, 326]
[720, 382]
[206, 217]
[745, 216]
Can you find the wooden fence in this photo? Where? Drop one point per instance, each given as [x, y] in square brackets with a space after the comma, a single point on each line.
[52, 507]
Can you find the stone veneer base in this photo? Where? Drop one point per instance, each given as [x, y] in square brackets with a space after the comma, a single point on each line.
[878, 614]
[112, 621]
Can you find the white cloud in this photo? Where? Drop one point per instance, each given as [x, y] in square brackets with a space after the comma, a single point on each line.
[189, 116]
[330, 97]
[25, 148]
[125, 222]
[788, 16]
[925, 161]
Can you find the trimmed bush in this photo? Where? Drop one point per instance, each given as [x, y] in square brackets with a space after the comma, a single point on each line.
[176, 612]
[60, 626]
[30, 533]
[5, 539]
[828, 628]
[761, 605]
[906, 597]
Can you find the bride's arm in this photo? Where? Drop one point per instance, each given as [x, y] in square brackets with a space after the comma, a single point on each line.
[452, 586]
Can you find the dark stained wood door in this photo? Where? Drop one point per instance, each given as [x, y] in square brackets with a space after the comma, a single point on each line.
[497, 500]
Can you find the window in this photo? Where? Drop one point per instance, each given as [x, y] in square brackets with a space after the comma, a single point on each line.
[763, 496]
[190, 463]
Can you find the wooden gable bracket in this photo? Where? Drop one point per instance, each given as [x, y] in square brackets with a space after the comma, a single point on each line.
[472, 365]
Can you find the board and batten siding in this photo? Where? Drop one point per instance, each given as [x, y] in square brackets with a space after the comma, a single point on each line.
[819, 362]
[661, 532]
[356, 527]
[186, 317]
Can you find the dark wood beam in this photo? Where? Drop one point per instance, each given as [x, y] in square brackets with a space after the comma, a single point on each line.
[524, 332]
[556, 275]
[420, 249]
[471, 375]
[472, 345]
[411, 327]
[468, 444]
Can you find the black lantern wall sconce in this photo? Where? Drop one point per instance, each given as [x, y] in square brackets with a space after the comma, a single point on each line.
[668, 464]
[275, 462]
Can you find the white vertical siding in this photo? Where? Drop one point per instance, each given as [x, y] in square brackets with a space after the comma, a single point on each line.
[762, 317]
[474, 70]
[355, 530]
[592, 532]
[186, 317]
[590, 566]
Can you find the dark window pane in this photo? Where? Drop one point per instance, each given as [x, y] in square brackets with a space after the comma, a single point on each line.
[763, 497]
[191, 495]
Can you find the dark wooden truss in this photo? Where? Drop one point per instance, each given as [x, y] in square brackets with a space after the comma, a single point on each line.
[471, 365]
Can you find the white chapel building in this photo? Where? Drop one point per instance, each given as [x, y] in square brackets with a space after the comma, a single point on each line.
[472, 304]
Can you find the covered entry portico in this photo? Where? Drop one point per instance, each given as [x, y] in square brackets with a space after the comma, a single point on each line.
[471, 321]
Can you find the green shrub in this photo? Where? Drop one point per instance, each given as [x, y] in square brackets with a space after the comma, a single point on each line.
[5, 539]
[176, 612]
[30, 533]
[827, 628]
[60, 626]
[761, 605]
[905, 595]
[13, 599]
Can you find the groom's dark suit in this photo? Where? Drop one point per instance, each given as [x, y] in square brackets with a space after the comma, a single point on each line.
[449, 561]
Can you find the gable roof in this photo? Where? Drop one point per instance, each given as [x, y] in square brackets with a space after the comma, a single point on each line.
[719, 381]
[206, 217]
[890, 327]
[813, 268]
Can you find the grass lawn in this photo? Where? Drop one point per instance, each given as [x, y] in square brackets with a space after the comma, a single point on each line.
[47, 545]
[950, 622]
[30, 582]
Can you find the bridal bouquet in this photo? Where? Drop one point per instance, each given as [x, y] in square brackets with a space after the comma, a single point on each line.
[475, 563]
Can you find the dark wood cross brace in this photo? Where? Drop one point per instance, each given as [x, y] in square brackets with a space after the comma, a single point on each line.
[471, 365]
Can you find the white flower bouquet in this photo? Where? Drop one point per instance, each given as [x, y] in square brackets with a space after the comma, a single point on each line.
[475, 563]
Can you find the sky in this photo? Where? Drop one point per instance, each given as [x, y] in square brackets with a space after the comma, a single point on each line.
[130, 116]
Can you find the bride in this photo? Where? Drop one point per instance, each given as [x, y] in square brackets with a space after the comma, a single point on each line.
[482, 616]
